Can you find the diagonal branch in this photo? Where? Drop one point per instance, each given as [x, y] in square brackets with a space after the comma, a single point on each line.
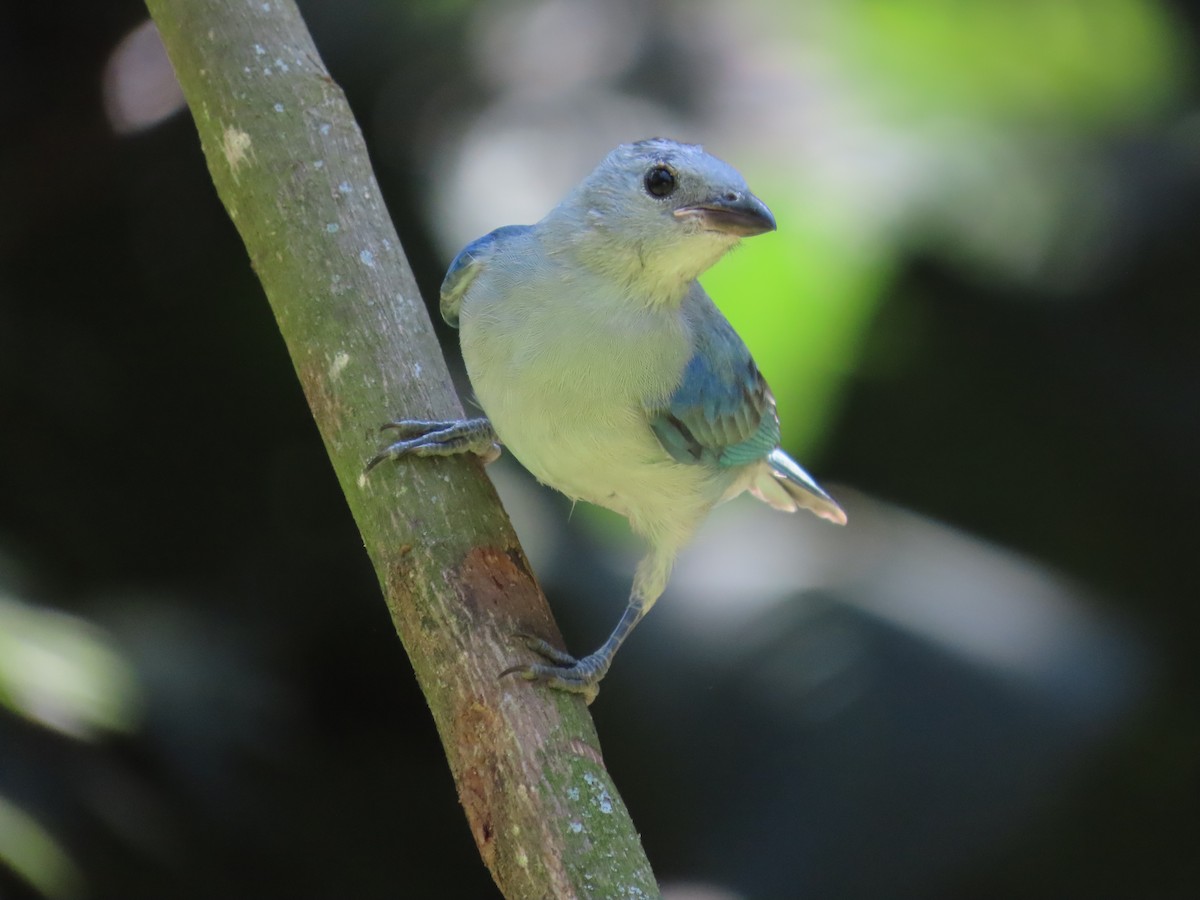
[290, 166]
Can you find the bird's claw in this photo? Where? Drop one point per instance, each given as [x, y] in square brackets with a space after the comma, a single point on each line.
[562, 671]
[418, 437]
[546, 650]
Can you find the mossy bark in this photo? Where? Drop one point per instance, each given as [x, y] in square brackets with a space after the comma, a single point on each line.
[290, 165]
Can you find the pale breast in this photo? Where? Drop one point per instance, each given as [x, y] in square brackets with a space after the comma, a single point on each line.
[565, 373]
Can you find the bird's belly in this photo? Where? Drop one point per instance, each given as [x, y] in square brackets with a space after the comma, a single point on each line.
[596, 454]
[567, 391]
[607, 455]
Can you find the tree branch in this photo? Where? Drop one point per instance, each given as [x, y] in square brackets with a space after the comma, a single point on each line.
[290, 166]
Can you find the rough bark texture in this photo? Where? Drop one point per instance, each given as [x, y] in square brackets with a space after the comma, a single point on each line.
[290, 166]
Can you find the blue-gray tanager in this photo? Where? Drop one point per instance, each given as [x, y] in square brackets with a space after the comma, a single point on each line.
[606, 369]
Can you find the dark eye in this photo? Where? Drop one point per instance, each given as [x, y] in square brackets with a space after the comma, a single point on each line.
[660, 182]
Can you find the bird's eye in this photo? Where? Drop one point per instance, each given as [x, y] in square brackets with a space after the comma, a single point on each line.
[660, 181]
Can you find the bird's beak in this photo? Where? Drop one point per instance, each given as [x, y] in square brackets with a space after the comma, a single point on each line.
[741, 215]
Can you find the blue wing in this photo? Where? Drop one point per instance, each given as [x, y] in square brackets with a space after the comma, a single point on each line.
[468, 264]
[722, 413]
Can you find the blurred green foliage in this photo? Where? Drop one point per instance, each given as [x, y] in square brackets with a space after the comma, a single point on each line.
[64, 673]
[34, 854]
[803, 298]
[1078, 63]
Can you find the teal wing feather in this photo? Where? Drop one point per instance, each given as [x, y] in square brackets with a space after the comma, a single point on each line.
[469, 263]
[722, 413]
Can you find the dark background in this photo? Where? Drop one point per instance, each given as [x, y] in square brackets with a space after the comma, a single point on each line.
[985, 687]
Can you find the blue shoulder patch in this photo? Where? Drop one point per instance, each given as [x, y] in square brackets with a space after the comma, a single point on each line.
[468, 264]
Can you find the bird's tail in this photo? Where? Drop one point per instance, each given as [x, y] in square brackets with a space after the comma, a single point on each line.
[784, 485]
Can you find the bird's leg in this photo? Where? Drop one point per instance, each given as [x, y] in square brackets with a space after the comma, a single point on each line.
[582, 676]
[420, 438]
[579, 676]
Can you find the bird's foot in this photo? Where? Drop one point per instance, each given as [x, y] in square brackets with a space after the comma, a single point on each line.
[421, 438]
[562, 671]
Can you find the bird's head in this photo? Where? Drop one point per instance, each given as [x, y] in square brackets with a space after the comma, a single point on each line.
[659, 213]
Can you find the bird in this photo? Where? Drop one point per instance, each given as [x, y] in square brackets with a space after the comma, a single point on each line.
[603, 366]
